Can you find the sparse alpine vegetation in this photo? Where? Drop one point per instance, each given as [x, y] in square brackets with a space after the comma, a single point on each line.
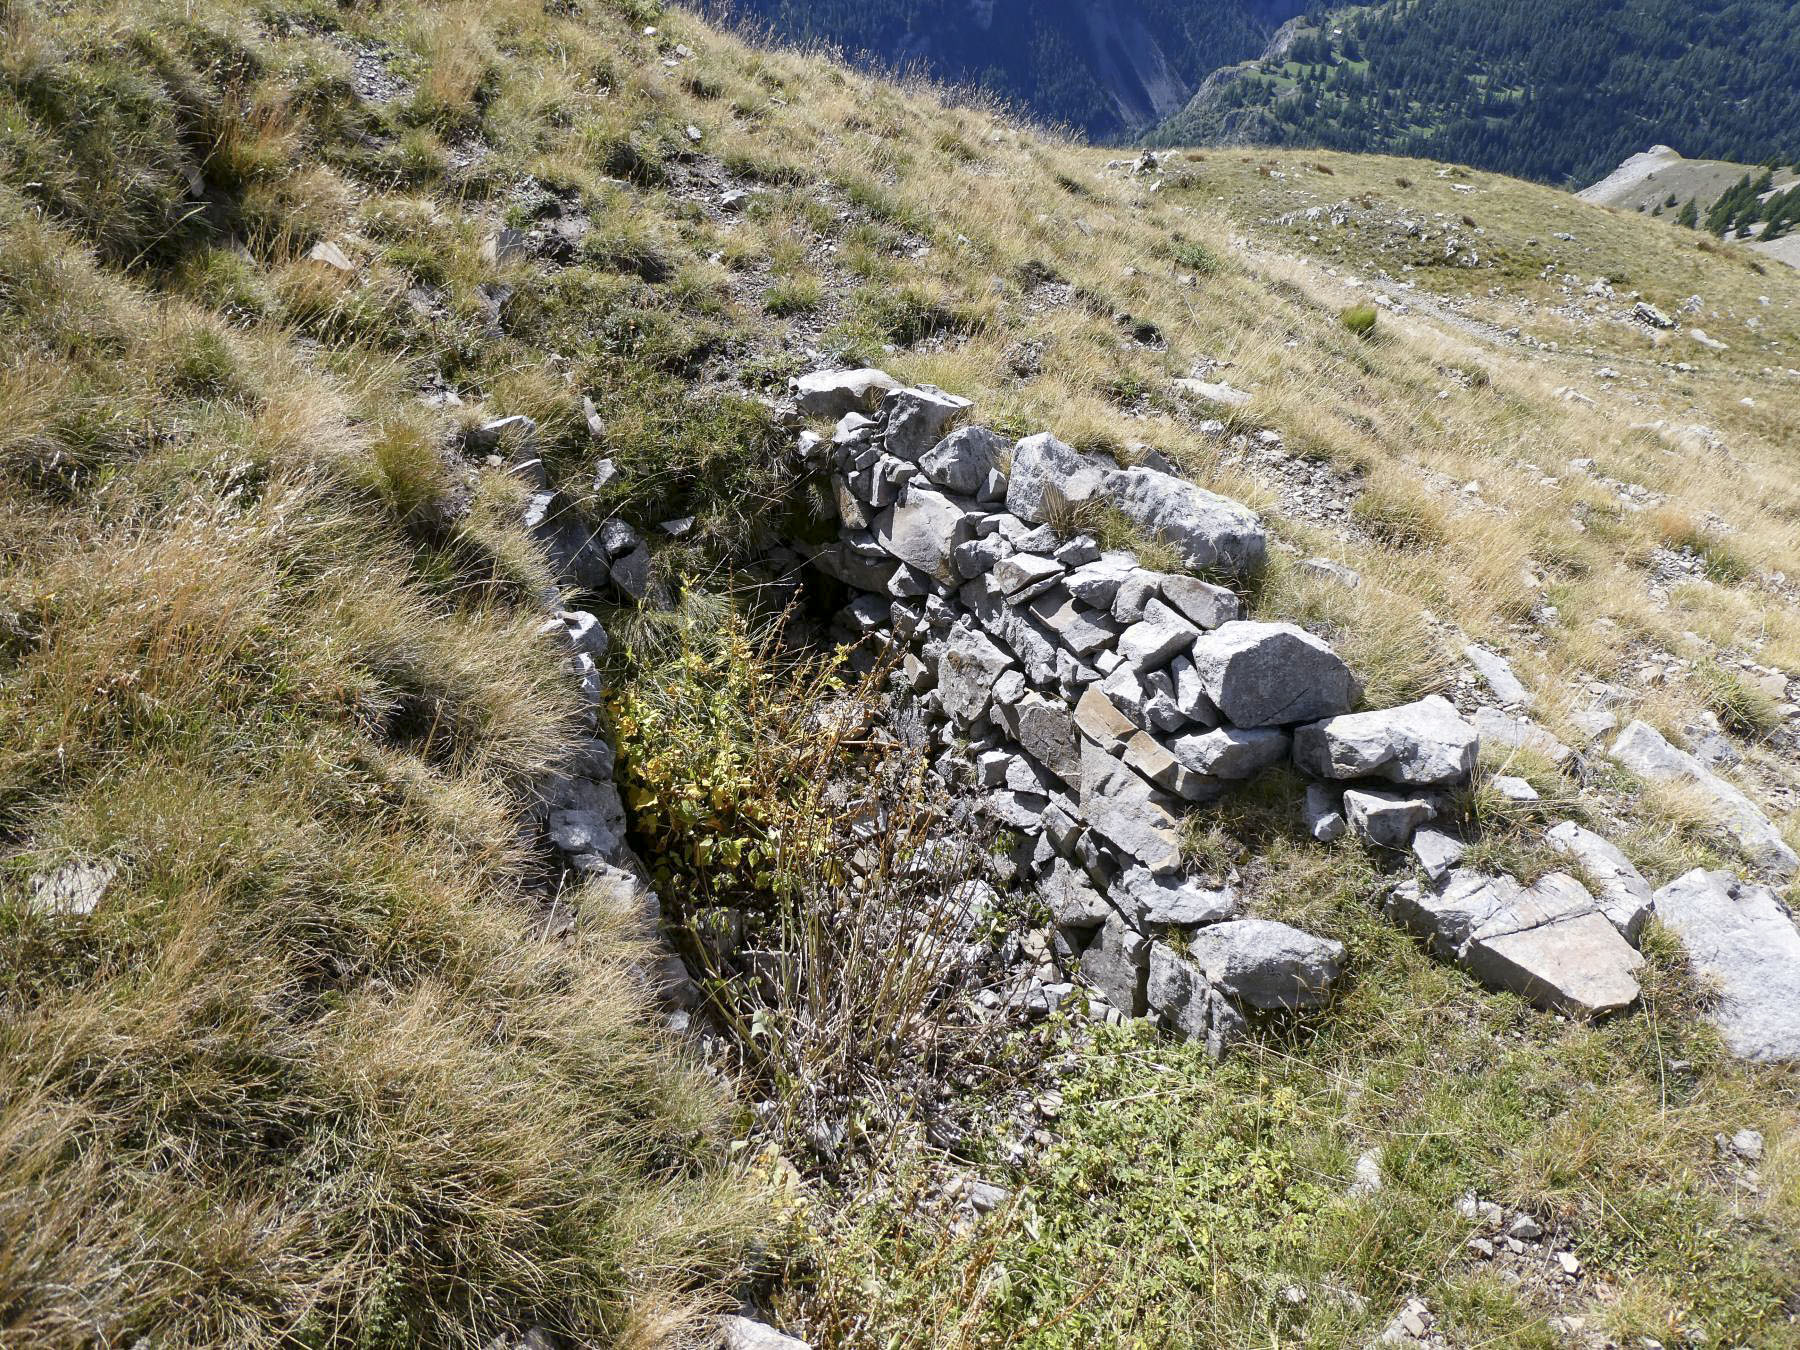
[365, 367]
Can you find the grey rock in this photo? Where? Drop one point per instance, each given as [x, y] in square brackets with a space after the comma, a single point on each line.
[1099, 720]
[617, 538]
[1190, 696]
[73, 889]
[1148, 757]
[1200, 602]
[1073, 900]
[967, 673]
[1426, 743]
[1045, 474]
[1083, 631]
[570, 546]
[923, 529]
[978, 557]
[1518, 733]
[1743, 944]
[1386, 818]
[1324, 568]
[1096, 583]
[1116, 963]
[1497, 672]
[1321, 813]
[1126, 691]
[1124, 809]
[1170, 902]
[1178, 992]
[1624, 894]
[1437, 853]
[1234, 753]
[832, 393]
[1267, 964]
[1642, 749]
[1022, 576]
[853, 566]
[962, 461]
[1548, 943]
[1078, 552]
[868, 613]
[1207, 530]
[744, 1333]
[1153, 641]
[918, 418]
[1134, 594]
[1045, 728]
[1514, 789]
[1578, 965]
[1265, 674]
[631, 572]
[1016, 810]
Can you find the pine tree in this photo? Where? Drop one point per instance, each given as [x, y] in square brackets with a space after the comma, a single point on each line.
[1690, 214]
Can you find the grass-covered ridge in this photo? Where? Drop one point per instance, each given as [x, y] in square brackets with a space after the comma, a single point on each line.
[316, 1072]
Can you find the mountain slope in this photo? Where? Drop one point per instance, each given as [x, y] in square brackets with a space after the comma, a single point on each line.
[313, 1043]
[1106, 67]
[1555, 92]
[1757, 205]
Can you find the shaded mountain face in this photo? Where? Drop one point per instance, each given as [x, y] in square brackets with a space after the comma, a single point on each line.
[1544, 89]
[1108, 68]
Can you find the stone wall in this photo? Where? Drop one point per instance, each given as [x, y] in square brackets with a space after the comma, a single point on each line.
[1090, 703]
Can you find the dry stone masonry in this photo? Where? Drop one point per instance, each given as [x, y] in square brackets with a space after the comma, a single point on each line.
[1089, 703]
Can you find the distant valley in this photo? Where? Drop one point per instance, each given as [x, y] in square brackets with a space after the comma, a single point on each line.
[1557, 93]
[1560, 93]
[1110, 69]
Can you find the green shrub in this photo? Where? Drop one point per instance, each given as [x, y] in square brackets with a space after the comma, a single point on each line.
[1359, 319]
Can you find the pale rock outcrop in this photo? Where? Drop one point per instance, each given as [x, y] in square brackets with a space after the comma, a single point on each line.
[1550, 943]
[1207, 530]
[923, 530]
[1743, 944]
[916, 419]
[1497, 672]
[1495, 727]
[962, 461]
[1141, 821]
[1624, 894]
[1386, 818]
[1187, 1003]
[1642, 749]
[1045, 472]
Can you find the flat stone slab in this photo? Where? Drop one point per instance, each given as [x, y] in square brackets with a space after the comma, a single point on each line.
[1550, 943]
[1518, 733]
[1624, 894]
[832, 393]
[1743, 943]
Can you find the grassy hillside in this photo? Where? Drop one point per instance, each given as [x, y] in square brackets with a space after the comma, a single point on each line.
[316, 1071]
